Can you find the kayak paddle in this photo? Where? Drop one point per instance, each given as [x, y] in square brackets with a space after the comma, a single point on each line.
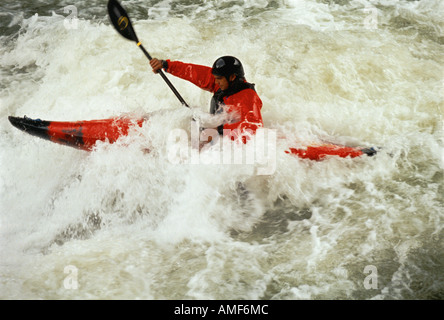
[122, 23]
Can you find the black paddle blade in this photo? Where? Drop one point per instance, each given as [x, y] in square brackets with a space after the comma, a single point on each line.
[121, 21]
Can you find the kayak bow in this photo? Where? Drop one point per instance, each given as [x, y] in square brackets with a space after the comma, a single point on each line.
[78, 134]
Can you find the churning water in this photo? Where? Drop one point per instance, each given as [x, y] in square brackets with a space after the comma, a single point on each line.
[120, 223]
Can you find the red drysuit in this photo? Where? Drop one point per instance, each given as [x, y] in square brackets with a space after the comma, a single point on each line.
[244, 104]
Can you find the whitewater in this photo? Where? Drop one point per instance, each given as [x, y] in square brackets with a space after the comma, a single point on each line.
[123, 223]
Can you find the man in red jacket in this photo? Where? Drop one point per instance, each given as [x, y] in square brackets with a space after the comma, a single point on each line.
[232, 94]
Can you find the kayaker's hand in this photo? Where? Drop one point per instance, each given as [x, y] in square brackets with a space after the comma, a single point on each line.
[156, 64]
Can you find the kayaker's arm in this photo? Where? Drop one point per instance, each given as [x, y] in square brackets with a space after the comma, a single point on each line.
[247, 105]
[199, 75]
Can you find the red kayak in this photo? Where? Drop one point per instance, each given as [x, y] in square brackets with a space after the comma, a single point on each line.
[84, 135]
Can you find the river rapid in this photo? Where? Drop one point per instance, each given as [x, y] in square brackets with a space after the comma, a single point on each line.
[120, 223]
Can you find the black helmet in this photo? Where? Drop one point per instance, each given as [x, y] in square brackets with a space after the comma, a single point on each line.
[226, 66]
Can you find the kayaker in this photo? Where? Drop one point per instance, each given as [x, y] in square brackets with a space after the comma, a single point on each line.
[235, 102]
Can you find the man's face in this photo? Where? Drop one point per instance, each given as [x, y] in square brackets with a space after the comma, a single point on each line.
[222, 82]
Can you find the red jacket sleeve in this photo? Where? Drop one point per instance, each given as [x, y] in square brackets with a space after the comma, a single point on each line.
[201, 76]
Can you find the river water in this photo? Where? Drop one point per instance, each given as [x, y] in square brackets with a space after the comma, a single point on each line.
[120, 223]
